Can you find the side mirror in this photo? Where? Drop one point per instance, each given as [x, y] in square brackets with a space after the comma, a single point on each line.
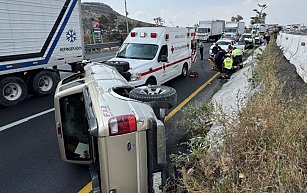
[163, 58]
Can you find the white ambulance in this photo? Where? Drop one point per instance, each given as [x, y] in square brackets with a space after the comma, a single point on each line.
[156, 54]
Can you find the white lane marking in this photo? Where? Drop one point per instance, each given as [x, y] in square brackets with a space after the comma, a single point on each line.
[24, 120]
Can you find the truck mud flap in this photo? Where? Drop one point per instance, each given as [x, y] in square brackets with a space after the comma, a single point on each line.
[156, 171]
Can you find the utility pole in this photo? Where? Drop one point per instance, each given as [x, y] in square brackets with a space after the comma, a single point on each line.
[126, 17]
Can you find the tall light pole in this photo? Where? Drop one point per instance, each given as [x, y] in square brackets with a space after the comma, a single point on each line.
[126, 17]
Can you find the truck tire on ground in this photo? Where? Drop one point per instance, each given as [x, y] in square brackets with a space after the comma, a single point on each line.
[184, 71]
[13, 90]
[45, 82]
[155, 94]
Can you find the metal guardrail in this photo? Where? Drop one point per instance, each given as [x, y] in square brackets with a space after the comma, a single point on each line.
[102, 45]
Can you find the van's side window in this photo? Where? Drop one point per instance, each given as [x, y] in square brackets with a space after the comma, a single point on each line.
[75, 127]
[163, 51]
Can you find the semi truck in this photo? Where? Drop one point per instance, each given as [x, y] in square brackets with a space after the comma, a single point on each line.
[35, 39]
[210, 29]
[235, 27]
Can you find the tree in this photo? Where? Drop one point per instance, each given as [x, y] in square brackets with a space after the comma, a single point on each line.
[260, 15]
[237, 18]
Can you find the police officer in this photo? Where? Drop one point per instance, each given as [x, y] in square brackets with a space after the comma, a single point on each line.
[201, 50]
[237, 55]
[219, 58]
[228, 63]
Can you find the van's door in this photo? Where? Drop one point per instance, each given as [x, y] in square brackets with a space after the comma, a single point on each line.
[72, 127]
[165, 70]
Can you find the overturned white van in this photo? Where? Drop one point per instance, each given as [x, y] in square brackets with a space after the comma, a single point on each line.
[156, 54]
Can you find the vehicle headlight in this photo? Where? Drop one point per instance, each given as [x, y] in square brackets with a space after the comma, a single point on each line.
[135, 77]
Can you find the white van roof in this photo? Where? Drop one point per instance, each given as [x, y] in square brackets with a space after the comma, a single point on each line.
[152, 35]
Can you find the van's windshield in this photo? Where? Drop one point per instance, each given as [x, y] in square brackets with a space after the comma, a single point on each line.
[138, 51]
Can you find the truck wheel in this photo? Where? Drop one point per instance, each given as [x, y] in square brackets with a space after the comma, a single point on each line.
[13, 91]
[45, 82]
[184, 71]
[152, 94]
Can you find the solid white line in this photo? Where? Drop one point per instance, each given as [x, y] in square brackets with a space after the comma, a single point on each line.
[24, 120]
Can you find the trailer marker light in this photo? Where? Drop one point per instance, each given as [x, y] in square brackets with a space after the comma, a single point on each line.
[153, 35]
[132, 34]
[122, 124]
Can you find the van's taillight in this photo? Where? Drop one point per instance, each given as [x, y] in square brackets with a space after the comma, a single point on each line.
[132, 34]
[59, 130]
[153, 35]
[122, 124]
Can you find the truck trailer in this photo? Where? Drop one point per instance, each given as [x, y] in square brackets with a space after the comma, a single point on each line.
[35, 39]
[210, 29]
[235, 27]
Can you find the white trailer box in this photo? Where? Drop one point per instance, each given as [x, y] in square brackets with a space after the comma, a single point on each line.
[235, 27]
[156, 54]
[210, 29]
[35, 36]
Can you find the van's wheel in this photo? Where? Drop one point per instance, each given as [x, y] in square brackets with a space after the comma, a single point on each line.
[184, 71]
[152, 94]
[151, 81]
[13, 91]
[45, 82]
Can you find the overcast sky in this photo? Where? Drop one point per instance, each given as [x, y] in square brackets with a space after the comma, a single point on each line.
[189, 12]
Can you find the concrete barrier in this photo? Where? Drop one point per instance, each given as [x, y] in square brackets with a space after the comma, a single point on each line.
[295, 50]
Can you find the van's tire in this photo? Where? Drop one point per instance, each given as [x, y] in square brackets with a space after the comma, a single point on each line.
[45, 82]
[13, 90]
[184, 71]
[151, 81]
[153, 94]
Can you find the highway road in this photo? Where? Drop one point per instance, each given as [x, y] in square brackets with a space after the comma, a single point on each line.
[30, 159]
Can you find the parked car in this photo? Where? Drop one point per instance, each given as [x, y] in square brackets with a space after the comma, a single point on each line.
[247, 39]
[103, 121]
[230, 36]
[224, 43]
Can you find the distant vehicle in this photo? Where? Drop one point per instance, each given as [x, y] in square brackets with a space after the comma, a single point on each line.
[35, 38]
[224, 43]
[156, 54]
[247, 39]
[230, 36]
[260, 28]
[210, 29]
[235, 27]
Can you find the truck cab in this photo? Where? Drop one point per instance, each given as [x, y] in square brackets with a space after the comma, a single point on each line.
[104, 122]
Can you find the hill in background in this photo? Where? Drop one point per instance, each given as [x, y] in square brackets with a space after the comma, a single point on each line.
[112, 23]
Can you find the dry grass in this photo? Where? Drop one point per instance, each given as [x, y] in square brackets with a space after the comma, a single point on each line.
[264, 148]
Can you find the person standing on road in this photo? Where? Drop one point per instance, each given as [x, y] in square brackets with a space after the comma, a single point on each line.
[219, 58]
[201, 50]
[228, 64]
[237, 57]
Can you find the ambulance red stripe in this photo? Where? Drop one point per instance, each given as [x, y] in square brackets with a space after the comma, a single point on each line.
[160, 68]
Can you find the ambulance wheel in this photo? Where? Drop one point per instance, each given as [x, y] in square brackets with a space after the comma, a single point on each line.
[45, 82]
[184, 71]
[13, 91]
[153, 94]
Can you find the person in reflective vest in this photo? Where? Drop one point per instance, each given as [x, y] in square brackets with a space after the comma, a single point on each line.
[237, 55]
[228, 63]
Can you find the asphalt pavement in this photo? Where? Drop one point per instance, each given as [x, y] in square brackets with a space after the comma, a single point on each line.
[30, 159]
